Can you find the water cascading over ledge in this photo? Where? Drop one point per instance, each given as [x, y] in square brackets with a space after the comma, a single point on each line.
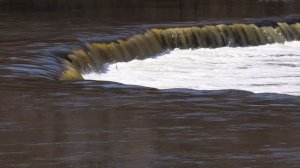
[155, 41]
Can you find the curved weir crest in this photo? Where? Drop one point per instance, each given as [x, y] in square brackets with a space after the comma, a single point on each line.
[156, 41]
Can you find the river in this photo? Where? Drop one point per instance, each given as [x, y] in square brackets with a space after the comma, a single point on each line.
[183, 103]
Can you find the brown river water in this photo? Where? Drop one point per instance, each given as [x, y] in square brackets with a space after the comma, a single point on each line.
[51, 123]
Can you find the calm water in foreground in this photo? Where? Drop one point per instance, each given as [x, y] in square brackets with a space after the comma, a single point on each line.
[51, 123]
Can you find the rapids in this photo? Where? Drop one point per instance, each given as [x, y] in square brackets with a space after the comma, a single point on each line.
[268, 68]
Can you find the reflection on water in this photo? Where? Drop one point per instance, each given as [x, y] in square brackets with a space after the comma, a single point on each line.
[48, 123]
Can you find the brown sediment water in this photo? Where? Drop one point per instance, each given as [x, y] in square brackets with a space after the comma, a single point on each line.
[48, 122]
[156, 41]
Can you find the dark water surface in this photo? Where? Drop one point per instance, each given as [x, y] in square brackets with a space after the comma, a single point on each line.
[52, 123]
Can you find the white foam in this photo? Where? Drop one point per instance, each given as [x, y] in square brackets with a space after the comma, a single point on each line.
[270, 68]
